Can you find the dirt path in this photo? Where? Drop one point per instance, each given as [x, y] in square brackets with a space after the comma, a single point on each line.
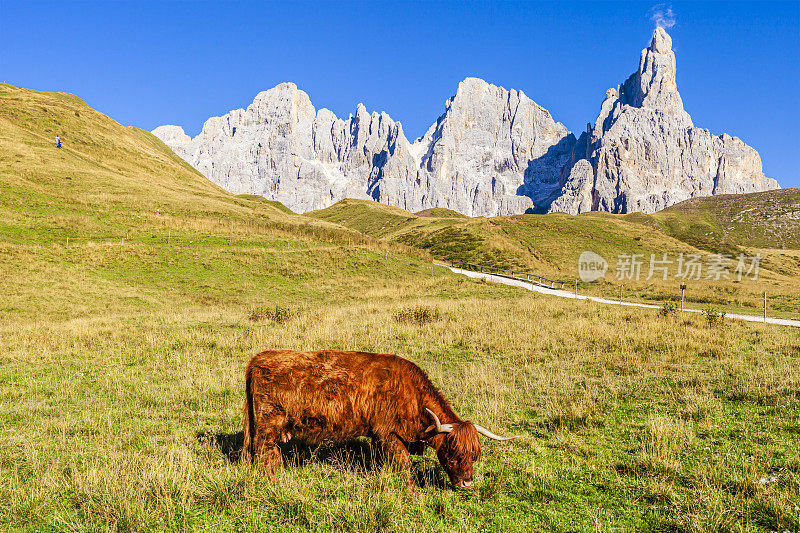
[569, 294]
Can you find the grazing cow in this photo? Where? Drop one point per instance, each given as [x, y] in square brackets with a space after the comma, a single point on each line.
[335, 395]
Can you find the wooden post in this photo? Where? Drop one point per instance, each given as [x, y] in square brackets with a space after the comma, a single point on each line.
[683, 291]
[67, 241]
[765, 306]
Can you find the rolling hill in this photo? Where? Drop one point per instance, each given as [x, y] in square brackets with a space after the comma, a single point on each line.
[550, 245]
[107, 179]
[121, 373]
[115, 220]
[769, 219]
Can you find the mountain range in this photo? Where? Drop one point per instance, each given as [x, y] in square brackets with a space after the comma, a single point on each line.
[492, 152]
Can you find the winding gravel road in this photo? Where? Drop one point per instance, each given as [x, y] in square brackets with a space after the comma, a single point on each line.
[568, 294]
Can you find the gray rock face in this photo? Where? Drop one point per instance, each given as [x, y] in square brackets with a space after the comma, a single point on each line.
[173, 136]
[492, 151]
[281, 148]
[646, 154]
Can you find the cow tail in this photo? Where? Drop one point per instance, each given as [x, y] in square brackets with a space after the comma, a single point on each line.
[249, 420]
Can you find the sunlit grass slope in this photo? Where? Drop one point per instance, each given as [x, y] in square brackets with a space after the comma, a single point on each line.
[768, 219]
[123, 354]
[550, 245]
[115, 220]
[106, 180]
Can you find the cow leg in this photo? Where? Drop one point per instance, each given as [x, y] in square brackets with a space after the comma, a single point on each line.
[400, 458]
[270, 428]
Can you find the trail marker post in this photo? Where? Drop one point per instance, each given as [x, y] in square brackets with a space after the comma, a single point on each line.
[683, 290]
[67, 241]
[765, 306]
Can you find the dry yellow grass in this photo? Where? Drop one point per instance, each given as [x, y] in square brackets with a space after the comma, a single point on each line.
[101, 416]
[121, 363]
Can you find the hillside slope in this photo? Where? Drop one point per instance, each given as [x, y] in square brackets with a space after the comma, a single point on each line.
[550, 245]
[106, 178]
[114, 222]
[768, 219]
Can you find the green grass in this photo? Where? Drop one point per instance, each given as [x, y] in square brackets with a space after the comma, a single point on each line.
[723, 223]
[550, 245]
[121, 364]
[440, 212]
[665, 424]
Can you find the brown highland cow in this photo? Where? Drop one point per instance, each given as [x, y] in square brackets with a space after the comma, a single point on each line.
[336, 395]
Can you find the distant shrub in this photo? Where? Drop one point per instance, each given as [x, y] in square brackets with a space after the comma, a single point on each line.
[277, 314]
[669, 308]
[714, 316]
[419, 315]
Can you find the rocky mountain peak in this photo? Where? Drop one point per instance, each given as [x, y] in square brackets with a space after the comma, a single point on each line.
[493, 151]
[172, 135]
[644, 153]
[654, 84]
[661, 42]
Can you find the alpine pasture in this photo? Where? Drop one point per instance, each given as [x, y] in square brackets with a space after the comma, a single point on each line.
[135, 291]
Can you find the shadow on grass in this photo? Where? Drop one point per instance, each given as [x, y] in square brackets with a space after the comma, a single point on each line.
[355, 455]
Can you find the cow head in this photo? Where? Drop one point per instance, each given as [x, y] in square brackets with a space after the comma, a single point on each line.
[458, 447]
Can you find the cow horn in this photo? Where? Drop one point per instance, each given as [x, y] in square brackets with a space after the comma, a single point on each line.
[486, 433]
[440, 428]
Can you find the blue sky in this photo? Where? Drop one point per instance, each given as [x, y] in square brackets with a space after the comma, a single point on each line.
[152, 63]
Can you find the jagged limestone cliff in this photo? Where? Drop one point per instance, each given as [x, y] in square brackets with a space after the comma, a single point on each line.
[492, 152]
[645, 153]
[280, 147]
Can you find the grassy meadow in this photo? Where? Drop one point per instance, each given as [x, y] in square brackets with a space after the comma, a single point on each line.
[123, 352]
[550, 245]
[125, 420]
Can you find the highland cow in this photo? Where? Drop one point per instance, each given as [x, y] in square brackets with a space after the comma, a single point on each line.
[336, 395]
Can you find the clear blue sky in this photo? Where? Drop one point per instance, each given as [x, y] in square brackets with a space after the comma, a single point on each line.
[148, 63]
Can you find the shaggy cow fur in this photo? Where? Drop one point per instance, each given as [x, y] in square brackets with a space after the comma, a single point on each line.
[335, 395]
